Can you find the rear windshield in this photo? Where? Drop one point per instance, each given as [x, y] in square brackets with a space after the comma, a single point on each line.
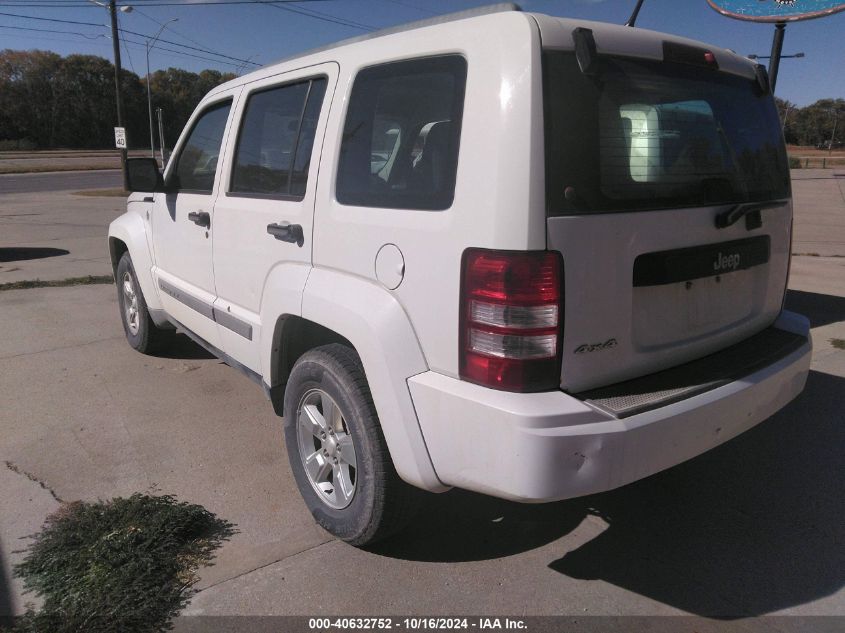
[653, 135]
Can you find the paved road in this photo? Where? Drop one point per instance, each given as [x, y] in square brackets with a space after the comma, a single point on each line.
[60, 181]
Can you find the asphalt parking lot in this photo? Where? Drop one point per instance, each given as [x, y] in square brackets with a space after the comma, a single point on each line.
[752, 528]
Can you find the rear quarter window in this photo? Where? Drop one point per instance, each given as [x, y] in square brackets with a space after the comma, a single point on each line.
[401, 135]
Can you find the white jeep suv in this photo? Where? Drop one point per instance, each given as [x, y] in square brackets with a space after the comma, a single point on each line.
[527, 256]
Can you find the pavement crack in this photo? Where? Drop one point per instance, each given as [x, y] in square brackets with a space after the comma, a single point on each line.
[267, 564]
[61, 348]
[18, 471]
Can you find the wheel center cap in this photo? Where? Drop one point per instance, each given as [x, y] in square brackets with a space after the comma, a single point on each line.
[330, 444]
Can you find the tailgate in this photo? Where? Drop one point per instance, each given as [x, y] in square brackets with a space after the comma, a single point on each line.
[668, 198]
[618, 326]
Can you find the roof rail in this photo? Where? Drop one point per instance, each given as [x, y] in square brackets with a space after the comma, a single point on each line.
[408, 26]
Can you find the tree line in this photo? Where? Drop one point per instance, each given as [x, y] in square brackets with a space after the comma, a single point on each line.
[49, 101]
[814, 124]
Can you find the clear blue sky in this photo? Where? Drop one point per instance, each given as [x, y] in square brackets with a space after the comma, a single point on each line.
[265, 33]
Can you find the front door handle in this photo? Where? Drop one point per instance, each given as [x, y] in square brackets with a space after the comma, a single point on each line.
[200, 218]
[287, 232]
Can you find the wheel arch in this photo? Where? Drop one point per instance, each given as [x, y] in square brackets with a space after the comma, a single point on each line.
[128, 234]
[341, 308]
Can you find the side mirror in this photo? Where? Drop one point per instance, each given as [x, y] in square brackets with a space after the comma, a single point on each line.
[142, 174]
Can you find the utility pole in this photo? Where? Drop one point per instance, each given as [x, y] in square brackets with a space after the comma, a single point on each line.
[117, 72]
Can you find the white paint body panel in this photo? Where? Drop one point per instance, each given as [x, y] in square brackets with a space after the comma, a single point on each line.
[246, 257]
[377, 325]
[133, 229]
[658, 326]
[551, 446]
[183, 249]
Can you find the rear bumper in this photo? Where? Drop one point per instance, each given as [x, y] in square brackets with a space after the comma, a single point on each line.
[550, 446]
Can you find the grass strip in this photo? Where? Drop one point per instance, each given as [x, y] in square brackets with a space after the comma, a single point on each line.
[125, 565]
[38, 169]
[87, 280]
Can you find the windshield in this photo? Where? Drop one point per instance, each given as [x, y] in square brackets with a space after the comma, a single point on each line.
[653, 135]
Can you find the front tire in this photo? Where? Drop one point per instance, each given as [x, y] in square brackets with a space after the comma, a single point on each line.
[337, 450]
[141, 332]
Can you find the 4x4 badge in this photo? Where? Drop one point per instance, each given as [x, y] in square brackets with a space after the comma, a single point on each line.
[596, 347]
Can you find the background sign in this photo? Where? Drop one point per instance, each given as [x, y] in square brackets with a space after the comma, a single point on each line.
[776, 10]
[120, 137]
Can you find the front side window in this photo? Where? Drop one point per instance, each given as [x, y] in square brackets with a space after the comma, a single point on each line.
[197, 163]
[276, 139]
[653, 135]
[401, 137]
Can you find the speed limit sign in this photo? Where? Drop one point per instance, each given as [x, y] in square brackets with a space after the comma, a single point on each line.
[120, 137]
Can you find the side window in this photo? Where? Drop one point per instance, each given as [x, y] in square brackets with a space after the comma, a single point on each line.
[198, 157]
[401, 136]
[276, 139]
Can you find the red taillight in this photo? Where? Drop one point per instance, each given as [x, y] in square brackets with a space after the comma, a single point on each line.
[511, 318]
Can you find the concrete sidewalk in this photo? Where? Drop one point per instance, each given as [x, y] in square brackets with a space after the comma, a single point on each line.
[55, 235]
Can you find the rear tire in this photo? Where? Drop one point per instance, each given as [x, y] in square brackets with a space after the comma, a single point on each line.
[337, 450]
[141, 332]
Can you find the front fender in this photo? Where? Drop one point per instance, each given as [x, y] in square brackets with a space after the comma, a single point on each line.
[131, 229]
[372, 319]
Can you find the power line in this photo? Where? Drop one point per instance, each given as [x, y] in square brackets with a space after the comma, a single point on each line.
[76, 22]
[171, 29]
[24, 28]
[320, 15]
[125, 40]
[32, 17]
[180, 53]
[129, 57]
[193, 48]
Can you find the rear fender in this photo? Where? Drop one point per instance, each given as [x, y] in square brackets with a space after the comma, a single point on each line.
[372, 319]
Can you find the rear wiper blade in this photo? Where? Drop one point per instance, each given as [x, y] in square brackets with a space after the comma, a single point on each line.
[751, 209]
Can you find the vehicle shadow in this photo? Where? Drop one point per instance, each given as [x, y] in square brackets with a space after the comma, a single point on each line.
[820, 309]
[181, 347]
[24, 253]
[461, 526]
[752, 527]
[749, 528]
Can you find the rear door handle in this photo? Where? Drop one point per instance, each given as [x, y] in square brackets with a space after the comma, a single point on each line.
[200, 218]
[287, 232]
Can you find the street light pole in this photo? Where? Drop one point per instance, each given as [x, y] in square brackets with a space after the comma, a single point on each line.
[777, 47]
[150, 44]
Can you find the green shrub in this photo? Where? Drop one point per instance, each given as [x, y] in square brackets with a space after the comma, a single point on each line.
[23, 144]
[121, 565]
